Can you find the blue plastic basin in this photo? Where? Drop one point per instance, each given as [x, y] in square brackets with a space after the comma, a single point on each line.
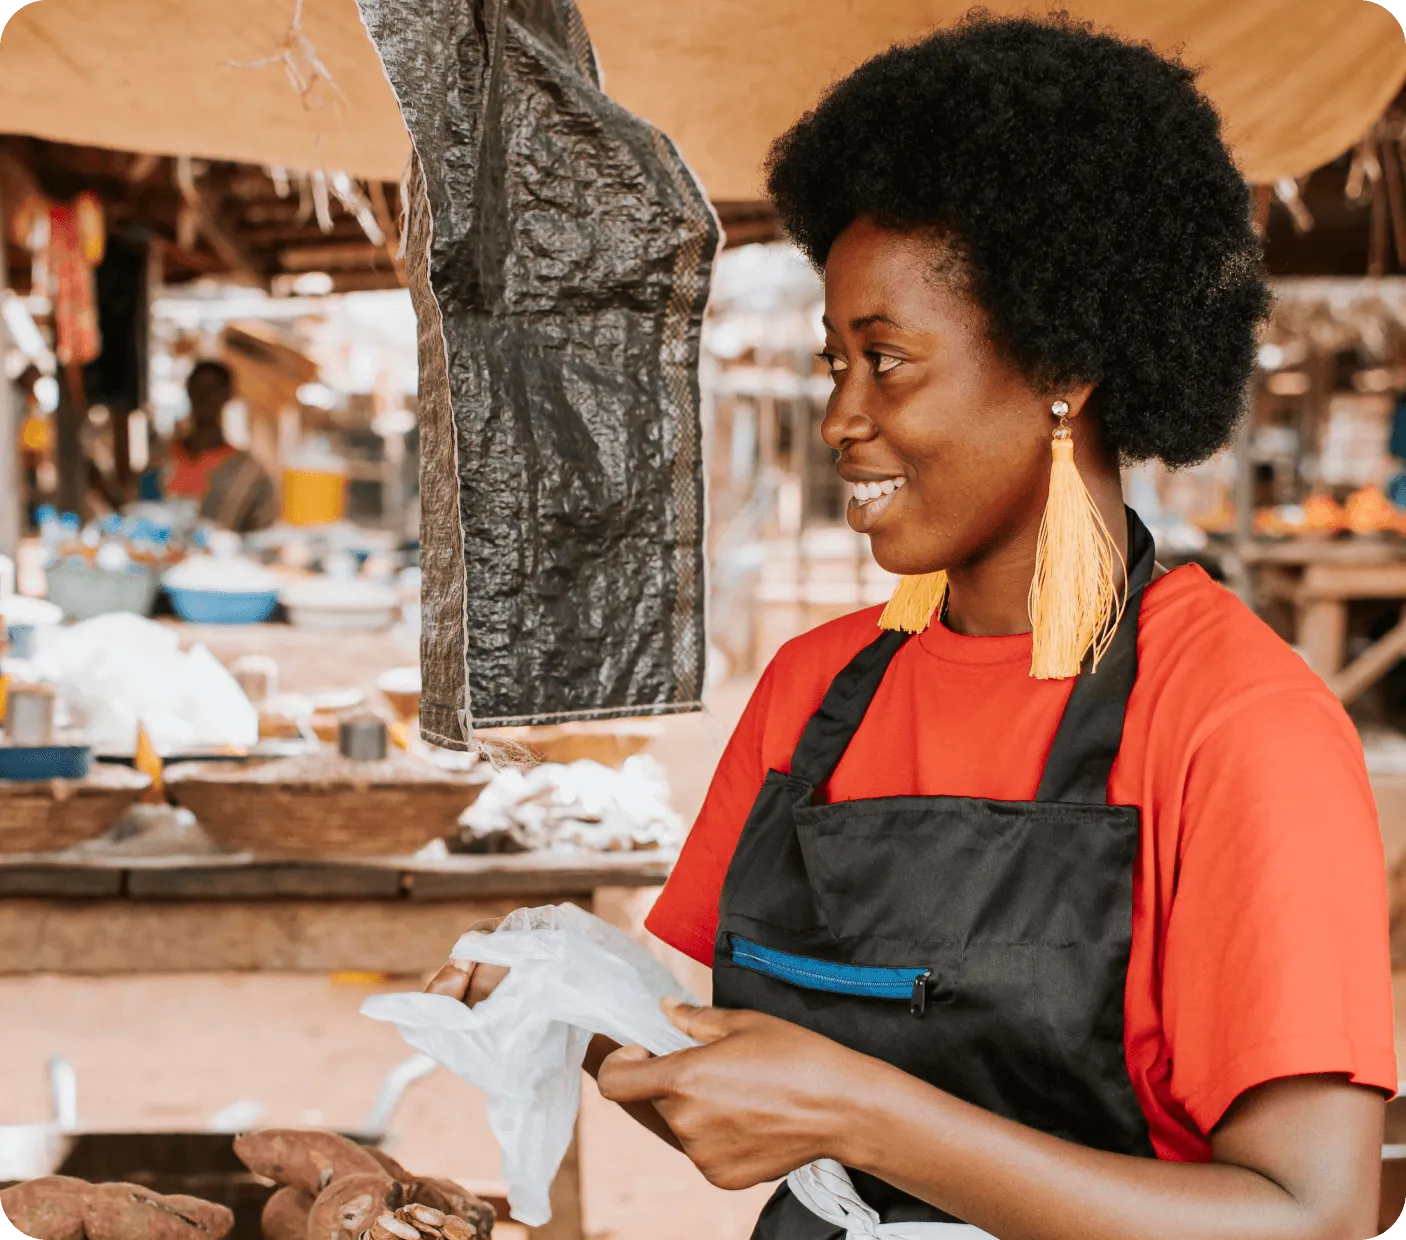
[37, 762]
[222, 607]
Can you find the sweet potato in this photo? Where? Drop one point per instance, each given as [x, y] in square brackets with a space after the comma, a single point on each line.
[304, 1158]
[48, 1209]
[350, 1204]
[388, 1164]
[449, 1197]
[130, 1212]
[285, 1215]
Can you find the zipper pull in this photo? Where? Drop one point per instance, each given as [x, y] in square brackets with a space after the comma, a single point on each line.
[920, 992]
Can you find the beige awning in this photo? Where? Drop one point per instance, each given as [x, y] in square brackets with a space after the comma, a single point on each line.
[1298, 81]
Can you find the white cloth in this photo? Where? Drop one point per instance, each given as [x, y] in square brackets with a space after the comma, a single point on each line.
[825, 1189]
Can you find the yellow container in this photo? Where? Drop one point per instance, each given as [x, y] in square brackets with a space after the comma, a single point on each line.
[313, 496]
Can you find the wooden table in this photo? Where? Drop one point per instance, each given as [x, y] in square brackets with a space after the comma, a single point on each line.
[235, 912]
[1319, 578]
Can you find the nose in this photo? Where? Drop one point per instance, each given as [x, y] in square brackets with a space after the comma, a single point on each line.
[845, 422]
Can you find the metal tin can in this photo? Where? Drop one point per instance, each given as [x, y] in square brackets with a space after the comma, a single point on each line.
[362, 739]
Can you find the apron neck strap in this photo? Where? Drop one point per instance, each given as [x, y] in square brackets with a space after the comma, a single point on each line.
[828, 733]
[1091, 730]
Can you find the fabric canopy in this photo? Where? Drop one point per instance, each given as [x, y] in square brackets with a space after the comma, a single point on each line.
[1298, 81]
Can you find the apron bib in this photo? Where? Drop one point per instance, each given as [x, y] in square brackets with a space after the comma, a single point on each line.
[981, 946]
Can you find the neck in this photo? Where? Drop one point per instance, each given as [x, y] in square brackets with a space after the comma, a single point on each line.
[204, 439]
[988, 595]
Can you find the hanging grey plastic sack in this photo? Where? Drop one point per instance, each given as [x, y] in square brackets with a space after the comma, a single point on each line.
[559, 257]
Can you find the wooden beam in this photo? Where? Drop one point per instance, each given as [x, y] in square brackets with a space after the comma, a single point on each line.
[388, 227]
[1371, 665]
[223, 241]
[744, 232]
[323, 257]
[293, 936]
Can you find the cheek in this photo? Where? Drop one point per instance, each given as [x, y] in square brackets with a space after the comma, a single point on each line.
[973, 476]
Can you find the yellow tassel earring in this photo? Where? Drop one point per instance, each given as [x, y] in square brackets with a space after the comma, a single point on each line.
[1078, 592]
[914, 603]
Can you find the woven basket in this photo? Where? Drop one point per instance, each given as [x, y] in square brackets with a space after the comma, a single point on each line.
[55, 814]
[297, 807]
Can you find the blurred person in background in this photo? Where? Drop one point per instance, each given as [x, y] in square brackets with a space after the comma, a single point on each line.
[231, 487]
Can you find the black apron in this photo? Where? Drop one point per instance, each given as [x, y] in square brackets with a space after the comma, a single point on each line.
[981, 946]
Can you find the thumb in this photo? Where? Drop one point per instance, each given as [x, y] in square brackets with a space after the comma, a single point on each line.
[704, 1024]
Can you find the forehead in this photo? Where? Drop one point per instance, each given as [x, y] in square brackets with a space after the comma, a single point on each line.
[913, 277]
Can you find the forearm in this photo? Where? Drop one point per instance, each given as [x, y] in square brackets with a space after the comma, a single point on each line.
[642, 1112]
[1021, 1184]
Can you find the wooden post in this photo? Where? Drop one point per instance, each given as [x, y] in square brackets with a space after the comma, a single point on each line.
[568, 1215]
[68, 425]
[11, 490]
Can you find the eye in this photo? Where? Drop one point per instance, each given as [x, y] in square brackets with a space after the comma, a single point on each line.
[885, 363]
[834, 362]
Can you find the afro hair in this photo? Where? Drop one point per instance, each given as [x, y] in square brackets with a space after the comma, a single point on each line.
[1083, 182]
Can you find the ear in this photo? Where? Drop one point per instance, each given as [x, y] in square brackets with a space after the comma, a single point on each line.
[1076, 398]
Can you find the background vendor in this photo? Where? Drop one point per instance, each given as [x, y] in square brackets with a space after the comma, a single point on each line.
[232, 488]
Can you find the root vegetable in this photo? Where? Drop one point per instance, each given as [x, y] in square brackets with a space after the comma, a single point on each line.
[286, 1213]
[47, 1209]
[451, 1199]
[306, 1159]
[457, 1229]
[128, 1211]
[349, 1205]
[388, 1227]
[418, 1214]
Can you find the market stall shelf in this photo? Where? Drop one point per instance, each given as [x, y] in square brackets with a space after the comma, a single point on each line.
[175, 914]
[1319, 579]
[237, 913]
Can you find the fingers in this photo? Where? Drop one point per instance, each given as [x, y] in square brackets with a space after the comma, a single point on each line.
[453, 979]
[632, 1074]
[484, 981]
[704, 1024]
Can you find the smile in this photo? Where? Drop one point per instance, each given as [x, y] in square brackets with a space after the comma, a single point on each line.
[868, 492]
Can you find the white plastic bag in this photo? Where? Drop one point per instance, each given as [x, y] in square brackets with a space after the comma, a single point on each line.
[572, 976]
[116, 671]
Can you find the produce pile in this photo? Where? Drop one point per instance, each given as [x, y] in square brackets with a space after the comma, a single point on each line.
[334, 1189]
[330, 1188]
[60, 1208]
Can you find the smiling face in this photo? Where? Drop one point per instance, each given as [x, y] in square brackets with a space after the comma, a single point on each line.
[926, 408]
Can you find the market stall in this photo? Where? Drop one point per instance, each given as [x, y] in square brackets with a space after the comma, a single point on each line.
[275, 809]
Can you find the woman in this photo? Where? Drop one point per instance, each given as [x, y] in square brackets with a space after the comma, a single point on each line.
[1032, 954]
[231, 487]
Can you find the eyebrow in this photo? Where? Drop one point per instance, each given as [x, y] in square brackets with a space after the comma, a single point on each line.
[866, 320]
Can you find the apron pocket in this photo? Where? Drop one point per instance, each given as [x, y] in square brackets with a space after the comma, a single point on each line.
[910, 984]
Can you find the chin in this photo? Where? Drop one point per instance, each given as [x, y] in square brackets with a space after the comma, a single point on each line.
[894, 555]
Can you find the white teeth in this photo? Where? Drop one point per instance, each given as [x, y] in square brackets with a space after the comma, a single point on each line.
[866, 491]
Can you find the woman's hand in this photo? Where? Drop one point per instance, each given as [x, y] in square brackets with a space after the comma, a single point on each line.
[759, 1099]
[466, 980]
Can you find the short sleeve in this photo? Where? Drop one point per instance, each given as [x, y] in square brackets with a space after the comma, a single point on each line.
[1276, 957]
[686, 913]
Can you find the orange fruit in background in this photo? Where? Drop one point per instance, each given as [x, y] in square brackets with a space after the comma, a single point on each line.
[1368, 511]
[1323, 514]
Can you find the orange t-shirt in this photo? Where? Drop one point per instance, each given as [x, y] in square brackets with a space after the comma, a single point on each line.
[189, 477]
[1259, 946]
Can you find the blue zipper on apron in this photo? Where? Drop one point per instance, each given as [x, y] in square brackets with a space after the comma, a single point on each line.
[867, 981]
